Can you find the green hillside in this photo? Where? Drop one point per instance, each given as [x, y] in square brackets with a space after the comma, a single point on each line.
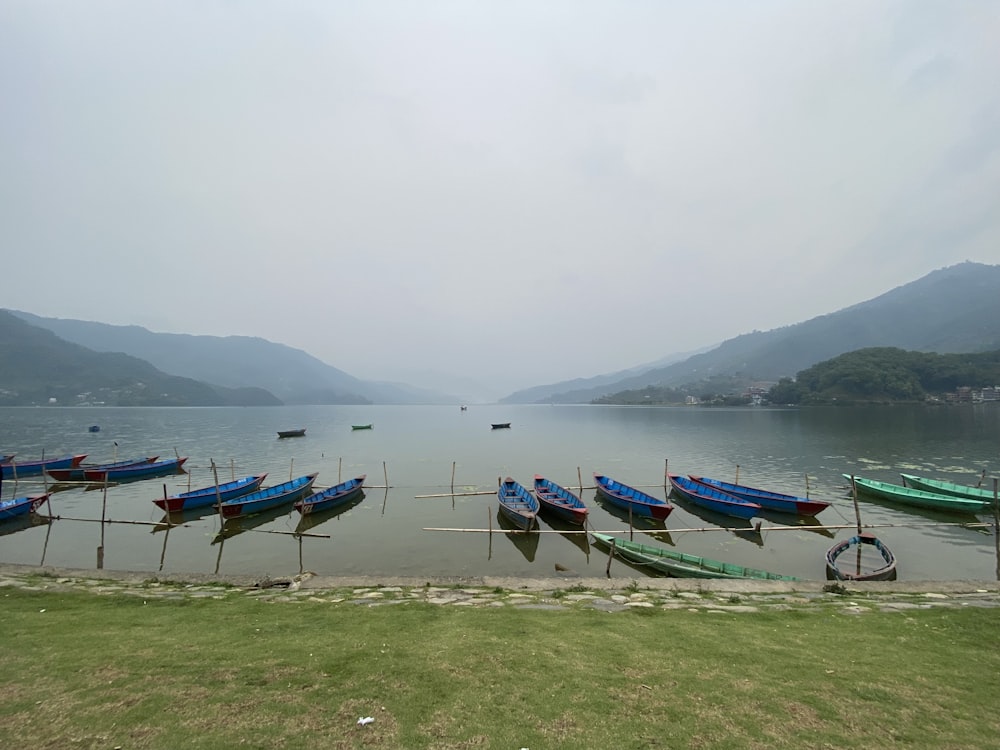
[38, 367]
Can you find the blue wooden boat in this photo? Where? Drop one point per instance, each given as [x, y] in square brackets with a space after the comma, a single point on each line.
[135, 472]
[208, 496]
[629, 498]
[78, 473]
[800, 506]
[518, 505]
[331, 497]
[10, 469]
[712, 499]
[272, 497]
[20, 506]
[559, 501]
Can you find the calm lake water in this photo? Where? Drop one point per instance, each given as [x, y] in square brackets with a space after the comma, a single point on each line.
[417, 450]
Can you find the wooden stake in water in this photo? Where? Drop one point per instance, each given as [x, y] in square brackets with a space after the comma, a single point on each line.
[579, 478]
[452, 477]
[340, 468]
[737, 474]
[611, 554]
[291, 469]
[385, 473]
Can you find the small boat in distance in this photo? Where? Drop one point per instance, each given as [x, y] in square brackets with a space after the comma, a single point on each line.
[331, 497]
[20, 506]
[291, 433]
[839, 568]
[518, 505]
[501, 425]
[778, 501]
[10, 469]
[559, 501]
[207, 496]
[948, 488]
[629, 498]
[712, 498]
[681, 564]
[362, 426]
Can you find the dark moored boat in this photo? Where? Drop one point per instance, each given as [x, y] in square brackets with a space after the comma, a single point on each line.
[331, 497]
[78, 473]
[207, 496]
[12, 468]
[919, 498]
[361, 426]
[20, 506]
[136, 471]
[838, 566]
[682, 564]
[629, 498]
[941, 487]
[517, 504]
[501, 425]
[272, 497]
[291, 433]
[559, 501]
[713, 499]
[778, 501]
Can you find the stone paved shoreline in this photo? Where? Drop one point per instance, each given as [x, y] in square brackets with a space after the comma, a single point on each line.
[718, 596]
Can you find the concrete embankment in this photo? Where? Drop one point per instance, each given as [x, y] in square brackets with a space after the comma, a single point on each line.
[609, 595]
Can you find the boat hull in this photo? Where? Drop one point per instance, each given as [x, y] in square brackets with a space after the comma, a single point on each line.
[78, 473]
[767, 500]
[136, 472]
[885, 572]
[331, 497]
[37, 468]
[712, 499]
[680, 564]
[918, 498]
[630, 499]
[517, 505]
[208, 496]
[560, 502]
[20, 506]
[272, 497]
[948, 488]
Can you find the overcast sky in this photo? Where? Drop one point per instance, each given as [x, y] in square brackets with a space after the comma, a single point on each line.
[513, 192]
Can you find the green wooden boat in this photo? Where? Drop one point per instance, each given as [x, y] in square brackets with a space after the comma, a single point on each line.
[361, 426]
[681, 564]
[948, 488]
[919, 498]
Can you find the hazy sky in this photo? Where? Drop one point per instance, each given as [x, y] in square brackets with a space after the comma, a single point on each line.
[514, 192]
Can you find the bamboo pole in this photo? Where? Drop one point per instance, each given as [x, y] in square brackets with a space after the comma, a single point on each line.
[996, 524]
[737, 474]
[340, 467]
[452, 478]
[291, 469]
[232, 468]
[761, 529]
[854, 497]
[579, 478]
[611, 555]
[385, 473]
[104, 505]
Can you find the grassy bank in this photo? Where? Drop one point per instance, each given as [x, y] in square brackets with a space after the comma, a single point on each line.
[85, 671]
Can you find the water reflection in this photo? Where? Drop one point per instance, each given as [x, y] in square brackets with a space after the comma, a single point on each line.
[747, 530]
[312, 520]
[526, 542]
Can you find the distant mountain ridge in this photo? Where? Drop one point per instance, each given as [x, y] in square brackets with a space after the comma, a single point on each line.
[291, 374]
[951, 310]
[38, 367]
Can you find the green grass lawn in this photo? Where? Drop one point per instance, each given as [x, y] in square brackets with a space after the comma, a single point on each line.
[85, 671]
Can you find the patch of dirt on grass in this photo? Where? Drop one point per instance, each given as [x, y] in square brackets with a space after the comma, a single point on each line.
[563, 728]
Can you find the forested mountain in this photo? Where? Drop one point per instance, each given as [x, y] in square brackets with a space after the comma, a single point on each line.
[38, 366]
[954, 309]
[885, 374]
[292, 375]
